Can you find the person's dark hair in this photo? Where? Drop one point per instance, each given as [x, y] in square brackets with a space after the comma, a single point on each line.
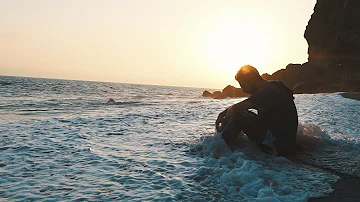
[248, 73]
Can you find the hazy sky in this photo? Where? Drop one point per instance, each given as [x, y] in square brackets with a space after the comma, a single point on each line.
[200, 43]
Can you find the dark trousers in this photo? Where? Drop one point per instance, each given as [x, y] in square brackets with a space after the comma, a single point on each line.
[256, 129]
[249, 123]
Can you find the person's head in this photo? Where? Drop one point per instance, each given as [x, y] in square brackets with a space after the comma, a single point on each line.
[249, 79]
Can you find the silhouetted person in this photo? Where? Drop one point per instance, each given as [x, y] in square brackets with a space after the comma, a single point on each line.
[276, 122]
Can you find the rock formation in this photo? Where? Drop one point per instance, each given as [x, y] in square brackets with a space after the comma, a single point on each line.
[207, 94]
[316, 78]
[231, 91]
[333, 32]
[228, 91]
[333, 36]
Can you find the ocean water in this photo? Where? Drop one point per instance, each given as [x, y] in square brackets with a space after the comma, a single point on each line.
[61, 141]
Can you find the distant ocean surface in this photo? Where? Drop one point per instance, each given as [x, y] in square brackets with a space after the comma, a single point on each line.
[61, 141]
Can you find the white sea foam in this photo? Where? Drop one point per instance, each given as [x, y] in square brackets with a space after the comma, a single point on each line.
[250, 175]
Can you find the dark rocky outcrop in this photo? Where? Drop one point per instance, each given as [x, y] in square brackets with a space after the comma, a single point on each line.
[315, 78]
[228, 91]
[219, 95]
[333, 36]
[333, 32]
[231, 91]
[207, 94]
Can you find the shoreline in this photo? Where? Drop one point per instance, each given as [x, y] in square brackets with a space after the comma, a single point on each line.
[345, 189]
[351, 95]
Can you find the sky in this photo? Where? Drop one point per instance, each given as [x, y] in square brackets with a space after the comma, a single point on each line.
[195, 43]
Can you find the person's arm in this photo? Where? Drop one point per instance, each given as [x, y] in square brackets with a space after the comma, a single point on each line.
[227, 113]
[220, 119]
[239, 108]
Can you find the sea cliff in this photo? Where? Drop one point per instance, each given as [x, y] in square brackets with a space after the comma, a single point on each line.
[333, 37]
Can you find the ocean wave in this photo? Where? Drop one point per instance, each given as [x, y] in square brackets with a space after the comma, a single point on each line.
[132, 103]
[250, 175]
[339, 154]
[138, 148]
[38, 110]
[5, 83]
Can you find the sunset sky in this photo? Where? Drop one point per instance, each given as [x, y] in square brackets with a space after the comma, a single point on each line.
[198, 43]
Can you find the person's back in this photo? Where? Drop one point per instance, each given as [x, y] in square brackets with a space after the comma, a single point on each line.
[274, 102]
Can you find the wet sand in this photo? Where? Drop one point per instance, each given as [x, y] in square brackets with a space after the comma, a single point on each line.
[346, 189]
[352, 95]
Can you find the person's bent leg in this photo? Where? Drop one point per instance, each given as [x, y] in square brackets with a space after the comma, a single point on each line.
[247, 122]
[232, 129]
[254, 128]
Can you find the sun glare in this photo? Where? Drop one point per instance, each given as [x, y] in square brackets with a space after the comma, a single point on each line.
[230, 45]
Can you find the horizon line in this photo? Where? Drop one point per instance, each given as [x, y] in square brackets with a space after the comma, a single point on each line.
[64, 79]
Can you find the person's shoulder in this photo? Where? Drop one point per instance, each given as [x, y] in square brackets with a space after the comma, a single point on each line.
[281, 87]
[271, 85]
[279, 84]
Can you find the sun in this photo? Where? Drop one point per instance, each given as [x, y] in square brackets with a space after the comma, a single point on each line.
[229, 45]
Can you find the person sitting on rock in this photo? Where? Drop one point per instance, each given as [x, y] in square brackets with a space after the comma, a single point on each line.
[276, 120]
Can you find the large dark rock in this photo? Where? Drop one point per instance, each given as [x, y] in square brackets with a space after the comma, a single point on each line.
[333, 32]
[207, 94]
[315, 78]
[219, 95]
[231, 91]
[228, 91]
[333, 36]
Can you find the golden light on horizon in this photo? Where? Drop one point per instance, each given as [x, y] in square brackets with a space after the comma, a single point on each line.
[151, 42]
[232, 44]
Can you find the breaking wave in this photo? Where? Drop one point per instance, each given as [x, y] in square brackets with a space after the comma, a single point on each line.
[251, 175]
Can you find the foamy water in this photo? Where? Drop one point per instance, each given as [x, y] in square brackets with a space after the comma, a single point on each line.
[61, 140]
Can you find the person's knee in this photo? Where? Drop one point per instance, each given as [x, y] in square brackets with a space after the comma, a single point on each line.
[232, 128]
[246, 121]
